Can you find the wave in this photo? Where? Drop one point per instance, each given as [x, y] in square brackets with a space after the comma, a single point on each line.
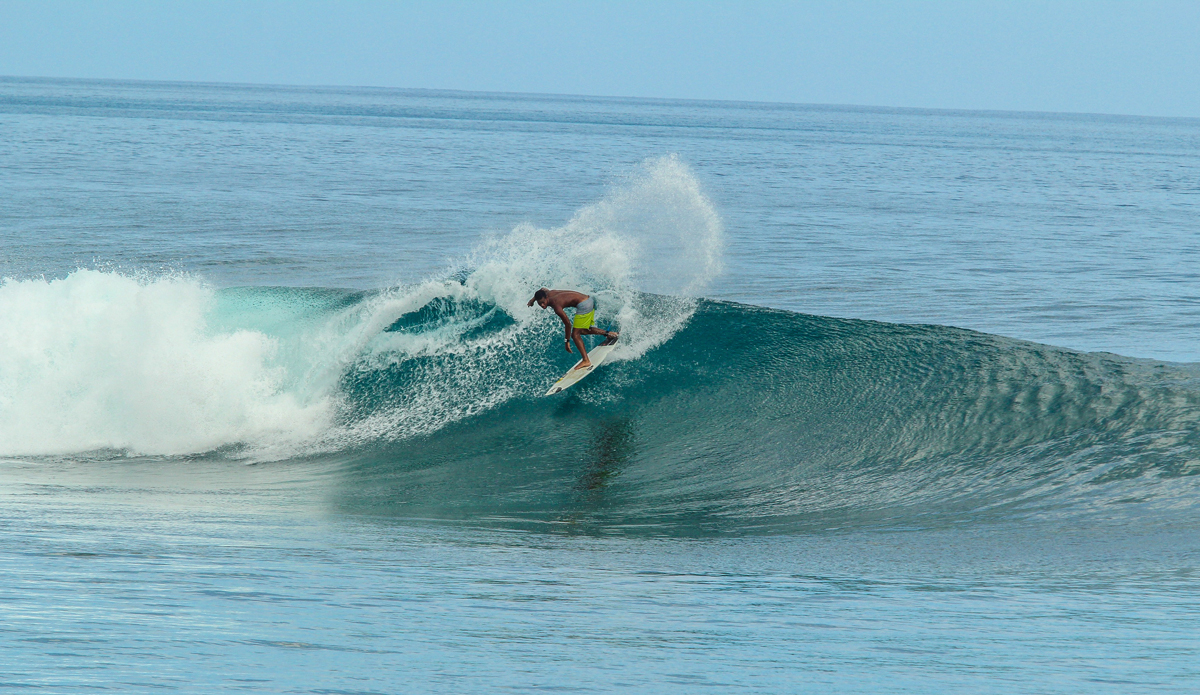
[758, 418]
[746, 417]
[426, 400]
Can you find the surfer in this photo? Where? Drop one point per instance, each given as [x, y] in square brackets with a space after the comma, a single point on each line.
[583, 323]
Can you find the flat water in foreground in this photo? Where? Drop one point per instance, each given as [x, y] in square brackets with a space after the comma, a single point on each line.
[224, 579]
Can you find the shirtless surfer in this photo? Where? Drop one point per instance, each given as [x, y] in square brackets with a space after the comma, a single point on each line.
[583, 323]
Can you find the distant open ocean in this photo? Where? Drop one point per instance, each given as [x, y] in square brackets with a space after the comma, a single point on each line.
[905, 401]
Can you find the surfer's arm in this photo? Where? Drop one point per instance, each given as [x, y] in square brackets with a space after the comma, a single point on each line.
[567, 323]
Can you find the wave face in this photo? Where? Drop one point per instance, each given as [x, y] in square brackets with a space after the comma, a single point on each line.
[428, 403]
[757, 418]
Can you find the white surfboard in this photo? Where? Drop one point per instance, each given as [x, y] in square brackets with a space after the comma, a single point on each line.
[596, 355]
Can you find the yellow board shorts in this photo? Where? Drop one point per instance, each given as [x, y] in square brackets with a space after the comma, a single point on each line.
[585, 314]
[582, 321]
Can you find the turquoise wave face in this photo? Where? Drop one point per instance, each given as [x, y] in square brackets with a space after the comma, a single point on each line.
[752, 419]
[710, 417]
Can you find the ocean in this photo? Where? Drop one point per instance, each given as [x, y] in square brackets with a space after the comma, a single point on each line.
[905, 401]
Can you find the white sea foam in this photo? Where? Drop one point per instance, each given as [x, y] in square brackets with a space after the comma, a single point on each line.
[106, 361]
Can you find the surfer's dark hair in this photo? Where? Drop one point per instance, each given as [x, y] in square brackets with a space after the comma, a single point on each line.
[540, 294]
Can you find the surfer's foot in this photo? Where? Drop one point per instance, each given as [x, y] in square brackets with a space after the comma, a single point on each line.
[612, 335]
[584, 365]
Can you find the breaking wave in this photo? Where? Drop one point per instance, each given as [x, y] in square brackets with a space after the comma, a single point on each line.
[426, 399]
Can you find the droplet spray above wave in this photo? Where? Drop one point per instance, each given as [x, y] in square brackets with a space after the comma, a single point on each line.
[654, 233]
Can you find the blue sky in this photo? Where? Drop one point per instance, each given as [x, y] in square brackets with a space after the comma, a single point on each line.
[1102, 57]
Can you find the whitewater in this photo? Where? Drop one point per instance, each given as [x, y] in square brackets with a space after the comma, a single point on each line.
[905, 401]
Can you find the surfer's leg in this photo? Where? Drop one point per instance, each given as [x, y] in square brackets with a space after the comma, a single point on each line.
[595, 330]
[577, 338]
